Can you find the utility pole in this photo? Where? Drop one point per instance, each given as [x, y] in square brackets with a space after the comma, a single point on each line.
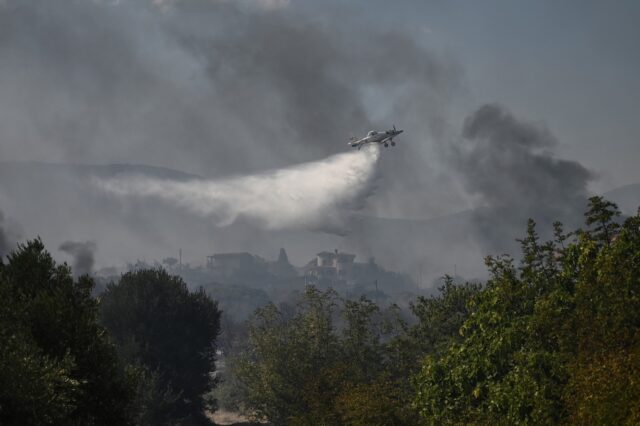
[180, 256]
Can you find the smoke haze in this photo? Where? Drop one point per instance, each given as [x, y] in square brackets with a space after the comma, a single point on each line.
[214, 93]
[217, 88]
[83, 255]
[4, 240]
[10, 232]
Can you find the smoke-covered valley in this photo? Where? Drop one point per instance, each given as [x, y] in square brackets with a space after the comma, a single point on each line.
[133, 129]
[154, 229]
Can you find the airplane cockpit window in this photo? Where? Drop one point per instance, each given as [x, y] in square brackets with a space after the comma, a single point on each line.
[371, 133]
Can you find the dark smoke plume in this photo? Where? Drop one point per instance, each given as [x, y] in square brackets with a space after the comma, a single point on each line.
[4, 240]
[83, 255]
[510, 166]
[9, 235]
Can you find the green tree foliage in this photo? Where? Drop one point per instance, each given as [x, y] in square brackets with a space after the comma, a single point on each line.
[377, 402]
[56, 364]
[325, 363]
[553, 340]
[170, 334]
[600, 217]
[604, 385]
[440, 317]
[288, 367]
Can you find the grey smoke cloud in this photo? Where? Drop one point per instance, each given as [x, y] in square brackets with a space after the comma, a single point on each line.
[319, 195]
[218, 89]
[10, 233]
[83, 255]
[215, 88]
[511, 168]
[4, 239]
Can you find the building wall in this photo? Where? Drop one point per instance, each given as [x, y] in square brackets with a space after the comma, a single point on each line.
[334, 266]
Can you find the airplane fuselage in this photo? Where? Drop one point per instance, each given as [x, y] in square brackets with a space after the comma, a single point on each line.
[384, 138]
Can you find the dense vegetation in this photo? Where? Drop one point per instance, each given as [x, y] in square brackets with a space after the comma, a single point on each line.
[550, 338]
[169, 334]
[555, 339]
[58, 364]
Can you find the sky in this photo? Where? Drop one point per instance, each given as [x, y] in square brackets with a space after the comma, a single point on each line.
[502, 102]
[571, 66]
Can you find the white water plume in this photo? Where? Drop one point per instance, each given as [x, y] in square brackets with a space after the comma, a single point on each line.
[318, 195]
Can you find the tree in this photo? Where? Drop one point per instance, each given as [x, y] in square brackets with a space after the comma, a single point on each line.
[602, 213]
[376, 402]
[56, 364]
[313, 366]
[603, 387]
[170, 333]
[440, 317]
[511, 364]
[554, 340]
[32, 386]
[288, 369]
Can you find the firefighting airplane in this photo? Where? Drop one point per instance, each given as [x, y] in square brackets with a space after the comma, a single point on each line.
[384, 138]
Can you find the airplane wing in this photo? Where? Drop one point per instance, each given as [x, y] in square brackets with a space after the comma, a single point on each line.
[356, 141]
